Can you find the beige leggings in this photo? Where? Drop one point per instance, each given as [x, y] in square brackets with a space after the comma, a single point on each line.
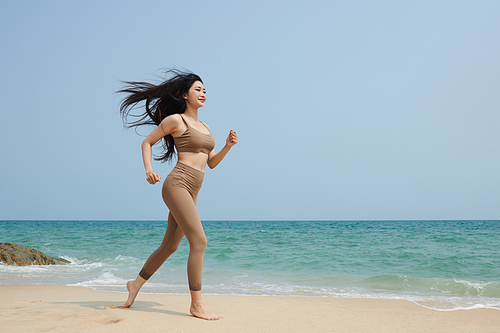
[180, 191]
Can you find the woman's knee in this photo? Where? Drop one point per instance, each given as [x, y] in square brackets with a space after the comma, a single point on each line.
[169, 248]
[198, 243]
[173, 247]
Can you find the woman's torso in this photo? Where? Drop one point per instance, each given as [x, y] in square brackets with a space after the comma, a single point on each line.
[194, 145]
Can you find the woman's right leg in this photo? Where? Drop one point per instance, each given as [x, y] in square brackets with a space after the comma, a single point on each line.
[170, 243]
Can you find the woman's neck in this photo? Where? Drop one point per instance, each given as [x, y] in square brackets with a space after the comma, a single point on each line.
[191, 113]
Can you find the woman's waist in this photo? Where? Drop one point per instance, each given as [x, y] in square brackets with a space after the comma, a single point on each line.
[197, 161]
[185, 176]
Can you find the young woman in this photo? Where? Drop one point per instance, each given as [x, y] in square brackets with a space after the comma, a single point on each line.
[173, 107]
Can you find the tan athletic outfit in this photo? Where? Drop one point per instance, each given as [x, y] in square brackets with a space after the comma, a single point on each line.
[180, 191]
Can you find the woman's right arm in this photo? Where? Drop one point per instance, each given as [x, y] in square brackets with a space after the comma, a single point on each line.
[167, 126]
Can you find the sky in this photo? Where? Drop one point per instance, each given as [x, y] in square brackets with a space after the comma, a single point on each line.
[345, 110]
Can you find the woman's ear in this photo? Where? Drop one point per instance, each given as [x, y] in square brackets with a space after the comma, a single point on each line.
[184, 96]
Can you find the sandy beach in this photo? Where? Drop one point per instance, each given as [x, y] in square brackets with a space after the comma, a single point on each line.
[77, 309]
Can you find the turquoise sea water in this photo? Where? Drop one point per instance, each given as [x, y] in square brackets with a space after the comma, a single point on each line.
[443, 265]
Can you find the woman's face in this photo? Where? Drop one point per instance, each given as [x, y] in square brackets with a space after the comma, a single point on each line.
[196, 95]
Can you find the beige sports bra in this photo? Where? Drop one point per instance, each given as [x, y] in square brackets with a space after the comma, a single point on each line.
[194, 141]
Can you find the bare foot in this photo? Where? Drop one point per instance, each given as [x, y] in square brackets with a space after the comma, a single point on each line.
[132, 293]
[202, 312]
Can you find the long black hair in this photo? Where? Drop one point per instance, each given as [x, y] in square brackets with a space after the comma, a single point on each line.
[160, 101]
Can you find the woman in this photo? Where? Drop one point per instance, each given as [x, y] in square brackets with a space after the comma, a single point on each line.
[173, 107]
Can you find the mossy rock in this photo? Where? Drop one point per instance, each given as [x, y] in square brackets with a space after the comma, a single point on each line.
[17, 255]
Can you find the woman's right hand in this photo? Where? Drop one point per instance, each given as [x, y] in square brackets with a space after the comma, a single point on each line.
[153, 178]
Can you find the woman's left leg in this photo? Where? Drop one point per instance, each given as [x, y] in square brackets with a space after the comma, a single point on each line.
[171, 240]
[180, 195]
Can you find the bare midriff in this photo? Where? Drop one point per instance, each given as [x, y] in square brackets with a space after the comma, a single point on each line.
[194, 160]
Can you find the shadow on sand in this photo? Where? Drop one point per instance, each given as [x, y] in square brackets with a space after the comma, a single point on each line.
[139, 306]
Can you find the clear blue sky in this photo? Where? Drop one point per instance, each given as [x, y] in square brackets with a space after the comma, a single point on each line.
[344, 109]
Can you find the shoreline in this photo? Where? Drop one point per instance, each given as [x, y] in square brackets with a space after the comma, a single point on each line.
[431, 302]
[69, 308]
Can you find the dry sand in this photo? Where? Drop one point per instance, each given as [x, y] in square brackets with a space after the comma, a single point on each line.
[76, 309]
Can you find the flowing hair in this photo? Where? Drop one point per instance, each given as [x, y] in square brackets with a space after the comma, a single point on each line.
[160, 101]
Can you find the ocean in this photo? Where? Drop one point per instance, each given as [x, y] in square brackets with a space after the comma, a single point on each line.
[442, 265]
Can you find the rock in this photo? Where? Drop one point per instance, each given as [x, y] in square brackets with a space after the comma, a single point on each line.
[17, 255]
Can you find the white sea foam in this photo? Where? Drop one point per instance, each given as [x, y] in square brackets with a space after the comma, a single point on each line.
[127, 260]
[106, 279]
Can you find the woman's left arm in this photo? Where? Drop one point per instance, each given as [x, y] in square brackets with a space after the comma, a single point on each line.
[214, 159]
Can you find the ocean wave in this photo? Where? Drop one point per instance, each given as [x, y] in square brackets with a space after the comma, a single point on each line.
[50, 268]
[126, 260]
[432, 286]
[455, 303]
[106, 279]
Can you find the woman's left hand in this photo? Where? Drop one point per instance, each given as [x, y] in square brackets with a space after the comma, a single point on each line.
[215, 158]
[232, 139]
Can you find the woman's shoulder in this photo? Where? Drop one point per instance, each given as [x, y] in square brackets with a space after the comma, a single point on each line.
[173, 125]
[173, 118]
